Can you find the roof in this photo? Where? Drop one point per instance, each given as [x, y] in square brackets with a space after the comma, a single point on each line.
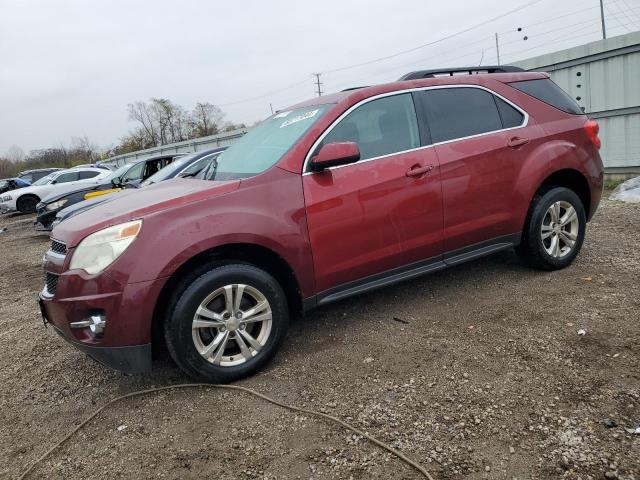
[48, 169]
[515, 75]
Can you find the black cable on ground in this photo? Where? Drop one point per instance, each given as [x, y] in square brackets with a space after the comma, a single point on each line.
[374, 440]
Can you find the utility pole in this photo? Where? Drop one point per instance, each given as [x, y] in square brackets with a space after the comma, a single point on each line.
[604, 30]
[318, 83]
[271, 107]
[497, 48]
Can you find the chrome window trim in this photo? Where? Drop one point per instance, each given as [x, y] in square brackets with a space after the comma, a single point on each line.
[305, 166]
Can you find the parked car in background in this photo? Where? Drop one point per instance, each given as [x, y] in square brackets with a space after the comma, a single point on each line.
[106, 165]
[188, 166]
[8, 184]
[32, 176]
[25, 199]
[127, 176]
[94, 165]
[329, 198]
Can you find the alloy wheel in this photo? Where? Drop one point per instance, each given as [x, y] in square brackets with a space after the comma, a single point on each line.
[559, 230]
[232, 325]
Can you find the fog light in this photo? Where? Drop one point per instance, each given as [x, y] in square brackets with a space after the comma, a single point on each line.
[95, 323]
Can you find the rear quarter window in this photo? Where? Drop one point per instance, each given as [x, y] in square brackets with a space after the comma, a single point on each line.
[548, 92]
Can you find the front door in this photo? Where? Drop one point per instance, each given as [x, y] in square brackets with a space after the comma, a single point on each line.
[382, 212]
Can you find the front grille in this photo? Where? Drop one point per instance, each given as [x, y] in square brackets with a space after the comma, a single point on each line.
[51, 281]
[58, 247]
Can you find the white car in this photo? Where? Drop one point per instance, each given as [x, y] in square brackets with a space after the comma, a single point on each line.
[25, 199]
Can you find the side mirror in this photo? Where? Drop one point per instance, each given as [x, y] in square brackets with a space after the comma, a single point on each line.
[116, 181]
[333, 154]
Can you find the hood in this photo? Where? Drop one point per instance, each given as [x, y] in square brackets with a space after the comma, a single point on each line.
[53, 197]
[76, 208]
[132, 204]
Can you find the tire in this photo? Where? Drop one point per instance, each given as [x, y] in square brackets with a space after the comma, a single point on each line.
[546, 243]
[27, 203]
[195, 350]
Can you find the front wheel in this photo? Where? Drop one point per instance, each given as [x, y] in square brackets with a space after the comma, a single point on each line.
[227, 323]
[27, 204]
[555, 229]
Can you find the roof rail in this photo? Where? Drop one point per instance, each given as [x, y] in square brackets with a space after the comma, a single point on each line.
[460, 70]
[353, 88]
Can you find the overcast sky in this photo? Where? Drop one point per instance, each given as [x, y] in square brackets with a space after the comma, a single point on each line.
[68, 68]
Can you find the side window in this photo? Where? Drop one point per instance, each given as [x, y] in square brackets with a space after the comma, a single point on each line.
[67, 177]
[197, 166]
[510, 116]
[380, 127]
[152, 167]
[134, 173]
[85, 174]
[460, 112]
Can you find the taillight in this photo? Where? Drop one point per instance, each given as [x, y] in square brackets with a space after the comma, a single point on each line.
[592, 128]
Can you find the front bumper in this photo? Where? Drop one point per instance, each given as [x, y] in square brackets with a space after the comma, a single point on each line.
[44, 219]
[131, 359]
[74, 296]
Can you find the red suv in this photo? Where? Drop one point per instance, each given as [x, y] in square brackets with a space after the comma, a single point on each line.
[332, 197]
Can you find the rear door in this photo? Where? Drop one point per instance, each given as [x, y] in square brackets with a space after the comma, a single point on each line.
[480, 139]
[375, 215]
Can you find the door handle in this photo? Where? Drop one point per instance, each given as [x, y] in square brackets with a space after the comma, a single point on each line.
[418, 170]
[516, 142]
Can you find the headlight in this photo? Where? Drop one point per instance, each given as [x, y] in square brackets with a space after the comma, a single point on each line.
[6, 198]
[100, 249]
[57, 205]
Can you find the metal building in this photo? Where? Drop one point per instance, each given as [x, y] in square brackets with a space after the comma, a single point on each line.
[604, 77]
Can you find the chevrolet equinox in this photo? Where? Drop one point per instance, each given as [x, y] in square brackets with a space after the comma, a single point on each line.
[329, 198]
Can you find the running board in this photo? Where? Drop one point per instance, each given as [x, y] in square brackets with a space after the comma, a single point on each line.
[413, 270]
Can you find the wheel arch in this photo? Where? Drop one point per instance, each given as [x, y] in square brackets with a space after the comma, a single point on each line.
[253, 254]
[573, 180]
[28, 194]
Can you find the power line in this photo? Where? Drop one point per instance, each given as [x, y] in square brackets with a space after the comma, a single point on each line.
[620, 10]
[259, 97]
[557, 17]
[380, 59]
[632, 12]
[448, 37]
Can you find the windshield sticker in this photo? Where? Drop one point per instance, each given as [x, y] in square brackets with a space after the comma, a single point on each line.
[282, 114]
[299, 118]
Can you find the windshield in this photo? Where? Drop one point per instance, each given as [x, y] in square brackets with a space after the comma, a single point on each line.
[118, 173]
[169, 170]
[45, 180]
[264, 145]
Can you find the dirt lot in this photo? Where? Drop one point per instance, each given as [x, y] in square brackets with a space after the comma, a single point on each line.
[476, 372]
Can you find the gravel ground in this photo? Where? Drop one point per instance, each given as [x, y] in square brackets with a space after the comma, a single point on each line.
[476, 372]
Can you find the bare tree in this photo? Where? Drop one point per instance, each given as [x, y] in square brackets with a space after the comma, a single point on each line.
[206, 119]
[143, 113]
[15, 154]
[84, 146]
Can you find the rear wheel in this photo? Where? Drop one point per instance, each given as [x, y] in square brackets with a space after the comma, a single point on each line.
[227, 323]
[27, 203]
[555, 229]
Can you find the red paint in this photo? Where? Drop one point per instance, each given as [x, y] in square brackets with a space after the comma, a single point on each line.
[333, 226]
